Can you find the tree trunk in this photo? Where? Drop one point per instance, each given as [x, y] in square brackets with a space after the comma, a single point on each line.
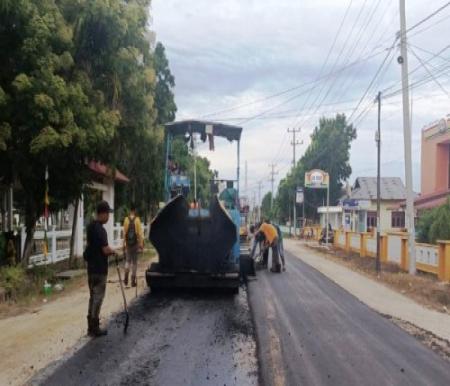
[28, 245]
[30, 226]
[74, 227]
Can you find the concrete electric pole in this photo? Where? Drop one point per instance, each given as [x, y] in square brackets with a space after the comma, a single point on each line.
[259, 200]
[273, 173]
[294, 143]
[378, 140]
[403, 61]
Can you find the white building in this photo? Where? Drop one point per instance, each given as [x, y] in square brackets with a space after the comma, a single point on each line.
[360, 205]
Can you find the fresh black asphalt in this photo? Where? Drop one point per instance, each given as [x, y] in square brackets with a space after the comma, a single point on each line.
[173, 339]
[312, 332]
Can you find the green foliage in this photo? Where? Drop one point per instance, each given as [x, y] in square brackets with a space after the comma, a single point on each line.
[79, 81]
[185, 160]
[13, 279]
[164, 84]
[424, 224]
[434, 224]
[440, 228]
[329, 150]
[266, 210]
[52, 115]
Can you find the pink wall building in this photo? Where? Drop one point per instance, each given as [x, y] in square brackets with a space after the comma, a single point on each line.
[435, 164]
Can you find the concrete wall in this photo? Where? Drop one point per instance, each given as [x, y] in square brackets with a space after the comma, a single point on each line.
[434, 259]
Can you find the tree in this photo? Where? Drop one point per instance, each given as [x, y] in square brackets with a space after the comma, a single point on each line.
[426, 220]
[329, 150]
[185, 160]
[434, 224]
[165, 82]
[266, 209]
[51, 117]
[114, 50]
[78, 83]
[147, 166]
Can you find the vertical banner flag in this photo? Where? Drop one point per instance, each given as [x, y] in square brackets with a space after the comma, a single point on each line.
[299, 198]
[46, 213]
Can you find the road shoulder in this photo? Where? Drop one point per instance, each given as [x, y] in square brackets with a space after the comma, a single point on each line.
[33, 340]
[375, 295]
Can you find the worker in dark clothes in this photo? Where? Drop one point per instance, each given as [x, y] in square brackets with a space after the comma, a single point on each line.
[280, 246]
[96, 255]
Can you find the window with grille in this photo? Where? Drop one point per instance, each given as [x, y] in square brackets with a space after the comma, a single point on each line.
[371, 219]
[398, 219]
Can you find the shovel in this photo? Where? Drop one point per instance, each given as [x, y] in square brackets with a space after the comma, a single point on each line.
[125, 308]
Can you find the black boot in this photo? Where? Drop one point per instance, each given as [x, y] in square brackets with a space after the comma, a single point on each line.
[125, 279]
[95, 329]
[133, 281]
[90, 326]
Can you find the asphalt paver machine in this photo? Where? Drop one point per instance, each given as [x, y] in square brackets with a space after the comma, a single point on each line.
[197, 247]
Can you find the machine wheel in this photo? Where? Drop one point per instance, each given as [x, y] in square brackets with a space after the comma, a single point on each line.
[154, 267]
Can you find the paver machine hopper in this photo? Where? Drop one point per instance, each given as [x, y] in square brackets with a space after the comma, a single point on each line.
[197, 247]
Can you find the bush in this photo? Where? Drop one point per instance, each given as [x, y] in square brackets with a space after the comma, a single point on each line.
[434, 224]
[14, 280]
[440, 229]
[424, 224]
[40, 273]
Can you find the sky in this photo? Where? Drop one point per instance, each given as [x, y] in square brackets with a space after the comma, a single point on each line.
[270, 65]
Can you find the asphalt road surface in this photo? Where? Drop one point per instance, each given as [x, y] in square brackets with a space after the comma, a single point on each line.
[312, 332]
[172, 340]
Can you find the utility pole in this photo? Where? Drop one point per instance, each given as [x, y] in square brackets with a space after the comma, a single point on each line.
[273, 173]
[254, 207]
[246, 179]
[403, 61]
[259, 200]
[378, 140]
[294, 143]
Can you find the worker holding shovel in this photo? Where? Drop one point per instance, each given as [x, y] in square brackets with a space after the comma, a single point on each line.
[133, 243]
[96, 255]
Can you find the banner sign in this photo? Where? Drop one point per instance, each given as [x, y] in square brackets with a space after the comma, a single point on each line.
[299, 198]
[353, 204]
[317, 179]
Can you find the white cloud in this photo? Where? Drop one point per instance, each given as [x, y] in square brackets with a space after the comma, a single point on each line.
[231, 52]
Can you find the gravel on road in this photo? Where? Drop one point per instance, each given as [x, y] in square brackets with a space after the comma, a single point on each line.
[190, 339]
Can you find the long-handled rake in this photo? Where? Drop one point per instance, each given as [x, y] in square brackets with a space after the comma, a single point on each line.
[127, 316]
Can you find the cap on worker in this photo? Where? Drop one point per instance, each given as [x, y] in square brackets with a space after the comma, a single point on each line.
[103, 207]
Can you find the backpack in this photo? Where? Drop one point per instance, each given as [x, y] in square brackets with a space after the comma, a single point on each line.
[131, 233]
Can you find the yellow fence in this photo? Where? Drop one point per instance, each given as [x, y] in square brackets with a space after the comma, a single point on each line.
[311, 232]
[433, 259]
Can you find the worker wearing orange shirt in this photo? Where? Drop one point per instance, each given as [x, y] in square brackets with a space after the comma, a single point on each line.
[271, 241]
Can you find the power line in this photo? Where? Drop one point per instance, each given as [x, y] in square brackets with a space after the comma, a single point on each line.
[434, 55]
[302, 123]
[430, 26]
[331, 74]
[348, 86]
[443, 70]
[373, 79]
[329, 53]
[429, 72]
[440, 9]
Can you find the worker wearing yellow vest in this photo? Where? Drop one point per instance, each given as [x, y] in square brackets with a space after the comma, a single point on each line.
[271, 241]
[133, 243]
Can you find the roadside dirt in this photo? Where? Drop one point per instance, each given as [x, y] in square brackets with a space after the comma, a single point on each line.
[435, 343]
[424, 288]
[43, 333]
